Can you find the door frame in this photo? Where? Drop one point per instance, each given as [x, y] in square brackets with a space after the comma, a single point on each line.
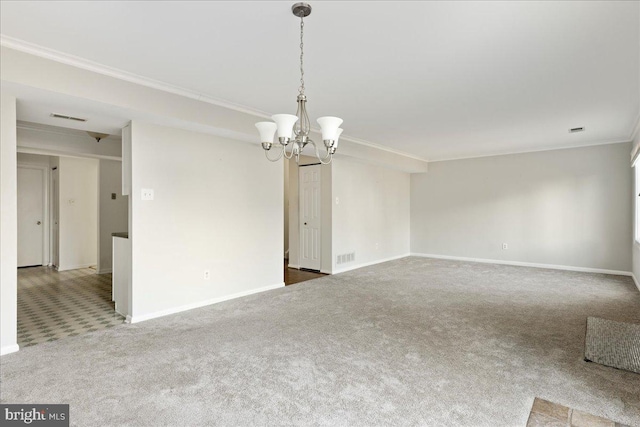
[300, 215]
[46, 253]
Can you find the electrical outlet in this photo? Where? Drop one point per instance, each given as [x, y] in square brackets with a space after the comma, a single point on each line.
[207, 275]
[147, 194]
[505, 246]
[377, 245]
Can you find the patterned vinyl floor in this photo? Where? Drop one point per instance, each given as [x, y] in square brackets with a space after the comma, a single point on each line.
[54, 305]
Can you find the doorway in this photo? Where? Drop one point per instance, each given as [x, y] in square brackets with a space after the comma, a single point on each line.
[310, 220]
[32, 200]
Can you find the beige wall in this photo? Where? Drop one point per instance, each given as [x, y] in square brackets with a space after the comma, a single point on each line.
[217, 206]
[563, 207]
[370, 206]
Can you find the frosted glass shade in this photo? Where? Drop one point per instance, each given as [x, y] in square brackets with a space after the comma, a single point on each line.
[267, 130]
[338, 133]
[285, 124]
[329, 126]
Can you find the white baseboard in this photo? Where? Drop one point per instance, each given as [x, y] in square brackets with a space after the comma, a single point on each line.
[633, 276]
[105, 271]
[366, 264]
[174, 310]
[12, 348]
[527, 264]
[75, 267]
[297, 267]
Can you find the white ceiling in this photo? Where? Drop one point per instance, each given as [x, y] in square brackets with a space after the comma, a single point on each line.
[438, 80]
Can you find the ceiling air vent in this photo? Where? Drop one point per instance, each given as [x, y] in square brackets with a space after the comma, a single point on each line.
[62, 116]
[574, 130]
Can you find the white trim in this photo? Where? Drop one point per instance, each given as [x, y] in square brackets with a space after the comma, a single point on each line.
[297, 267]
[85, 64]
[367, 264]
[76, 267]
[527, 264]
[633, 276]
[325, 271]
[142, 318]
[538, 150]
[11, 348]
[105, 271]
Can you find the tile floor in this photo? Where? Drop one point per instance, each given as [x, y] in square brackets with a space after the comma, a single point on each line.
[54, 305]
[549, 414]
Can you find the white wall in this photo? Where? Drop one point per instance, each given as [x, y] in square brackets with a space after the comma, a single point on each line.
[217, 206]
[113, 215]
[78, 241]
[8, 226]
[563, 207]
[372, 216]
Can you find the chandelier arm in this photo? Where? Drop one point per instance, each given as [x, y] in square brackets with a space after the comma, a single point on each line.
[320, 158]
[293, 152]
[266, 153]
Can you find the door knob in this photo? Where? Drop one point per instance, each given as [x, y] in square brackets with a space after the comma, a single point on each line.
[38, 222]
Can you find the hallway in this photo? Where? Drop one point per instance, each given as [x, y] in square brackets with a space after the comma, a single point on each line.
[54, 305]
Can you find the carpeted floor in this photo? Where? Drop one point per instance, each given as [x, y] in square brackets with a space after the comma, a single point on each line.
[410, 342]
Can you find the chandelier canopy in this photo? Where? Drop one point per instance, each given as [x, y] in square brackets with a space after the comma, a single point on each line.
[295, 130]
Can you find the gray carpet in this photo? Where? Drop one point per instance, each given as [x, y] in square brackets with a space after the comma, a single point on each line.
[615, 344]
[410, 342]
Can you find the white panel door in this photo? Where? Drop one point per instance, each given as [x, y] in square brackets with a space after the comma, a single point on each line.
[55, 214]
[310, 217]
[30, 216]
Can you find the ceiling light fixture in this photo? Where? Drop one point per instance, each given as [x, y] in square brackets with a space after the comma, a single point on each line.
[98, 136]
[299, 125]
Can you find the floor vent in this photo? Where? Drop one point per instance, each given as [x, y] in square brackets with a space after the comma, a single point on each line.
[345, 258]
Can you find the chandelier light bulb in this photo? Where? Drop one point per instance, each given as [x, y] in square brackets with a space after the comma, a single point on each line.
[329, 126]
[267, 131]
[285, 124]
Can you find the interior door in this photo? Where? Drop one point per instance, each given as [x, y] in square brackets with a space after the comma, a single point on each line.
[55, 213]
[310, 210]
[30, 216]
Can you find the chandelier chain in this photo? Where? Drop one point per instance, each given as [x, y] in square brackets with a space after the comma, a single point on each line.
[301, 88]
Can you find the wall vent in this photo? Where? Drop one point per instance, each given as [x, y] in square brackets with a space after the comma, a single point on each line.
[62, 116]
[574, 130]
[345, 258]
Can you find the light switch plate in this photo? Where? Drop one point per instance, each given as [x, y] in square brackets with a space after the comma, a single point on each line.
[147, 194]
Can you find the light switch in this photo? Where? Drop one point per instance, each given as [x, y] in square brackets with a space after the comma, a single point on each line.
[337, 200]
[147, 194]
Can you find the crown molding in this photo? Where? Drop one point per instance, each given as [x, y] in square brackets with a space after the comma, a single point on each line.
[85, 64]
[508, 153]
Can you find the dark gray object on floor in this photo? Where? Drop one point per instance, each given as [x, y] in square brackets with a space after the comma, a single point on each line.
[611, 343]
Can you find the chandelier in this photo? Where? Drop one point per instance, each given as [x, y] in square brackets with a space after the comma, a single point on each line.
[295, 130]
